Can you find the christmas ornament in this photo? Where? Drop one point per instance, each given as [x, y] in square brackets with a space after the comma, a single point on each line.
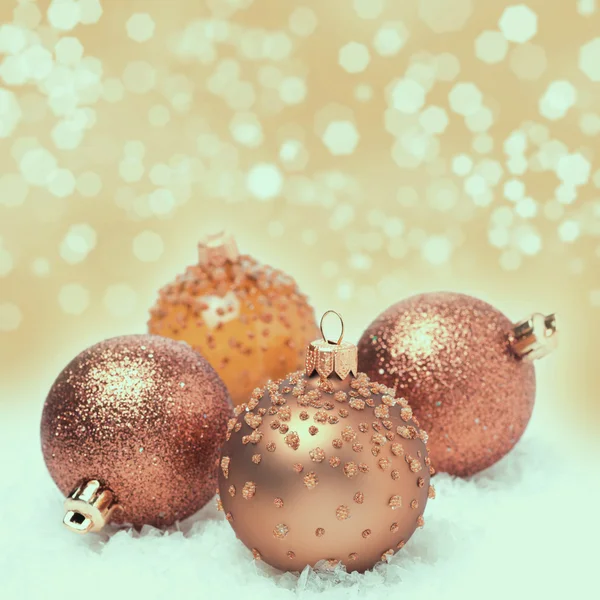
[465, 369]
[131, 432]
[249, 320]
[324, 464]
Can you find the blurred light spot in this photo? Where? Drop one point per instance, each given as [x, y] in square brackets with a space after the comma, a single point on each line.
[345, 290]
[12, 39]
[518, 23]
[140, 27]
[40, 267]
[91, 11]
[246, 130]
[363, 92]
[79, 241]
[159, 115]
[434, 119]
[502, 216]
[526, 207]
[510, 260]
[342, 216]
[491, 47]
[10, 113]
[13, 189]
[448, 67]
[368, 9]
[303, 21]
[292, 90]
[68, 51]
[586, 7]
[354, 57]
[161, 201]
[390, 38]
[589, 59]
[120, 299]
[465, 99]
[73, 298]
[148, 246]
[573, 169]
[569, 231]
[462, 165]
[483, 143]
[61, 183]
[10, 316]
[113, 89]
[139, 77]
[443, 194]
[528, 61]
[89, 184]
[589, 124]
[514, 190]
[475, 184]
[408, 96]
[6, 262]
[341, 137]
[131, 169]
[566, 193]
[558, 98]
[309, 237]
[63, 14]
[442, 16]
[264, 181]
[37, 166]
[595, 298]
[437, 250]
[528, 240]
[499, 237]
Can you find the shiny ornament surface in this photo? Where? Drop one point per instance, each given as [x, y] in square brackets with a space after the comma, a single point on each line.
[322, 468]
[248, 319]
[145, 417]
[451, 356]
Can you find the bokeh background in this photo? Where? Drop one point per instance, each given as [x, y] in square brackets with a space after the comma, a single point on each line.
[372, 149]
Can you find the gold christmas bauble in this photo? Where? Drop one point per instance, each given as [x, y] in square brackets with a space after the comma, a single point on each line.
[248, 319]
[324, 464]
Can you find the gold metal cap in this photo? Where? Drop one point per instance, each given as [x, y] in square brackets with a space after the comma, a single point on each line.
[535, 337]
[217, 249]
[88, 507]
[327, 357]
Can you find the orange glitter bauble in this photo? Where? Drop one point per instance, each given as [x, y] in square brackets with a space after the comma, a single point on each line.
[324, 465]
[466, 370]
[249, 320]
[131, 432]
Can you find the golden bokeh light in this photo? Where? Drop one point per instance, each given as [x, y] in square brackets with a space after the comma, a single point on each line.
[372, 149]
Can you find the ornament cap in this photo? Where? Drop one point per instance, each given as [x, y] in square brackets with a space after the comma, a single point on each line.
[88, 507]
[534, 337]
[217, 249]
[327, 357]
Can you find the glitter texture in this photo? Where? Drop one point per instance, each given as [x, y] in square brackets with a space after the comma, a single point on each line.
[143, 414]
[448, 355]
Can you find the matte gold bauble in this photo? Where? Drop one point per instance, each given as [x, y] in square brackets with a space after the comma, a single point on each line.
[324, 464]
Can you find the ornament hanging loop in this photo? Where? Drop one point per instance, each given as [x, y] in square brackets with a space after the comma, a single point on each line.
[327, 357]
[339, 341]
